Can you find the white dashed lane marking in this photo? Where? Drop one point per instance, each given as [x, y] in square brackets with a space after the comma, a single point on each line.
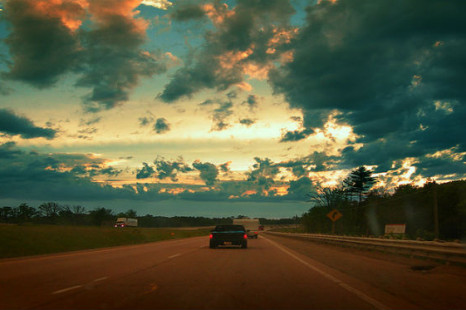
[67, 289]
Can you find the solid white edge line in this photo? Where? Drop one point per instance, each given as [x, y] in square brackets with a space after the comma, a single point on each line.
[67, 289]
[100, 279]
[370, 300]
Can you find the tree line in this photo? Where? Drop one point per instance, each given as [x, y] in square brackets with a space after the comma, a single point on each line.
[53, 213]
[429, 211]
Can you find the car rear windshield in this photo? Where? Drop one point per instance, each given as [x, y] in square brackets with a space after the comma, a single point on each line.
[229, 228]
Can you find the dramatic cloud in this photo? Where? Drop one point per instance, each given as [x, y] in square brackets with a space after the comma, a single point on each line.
[107, 52]
[188, 11]
[221, 114]
[245, 43]
[300, 188]
[296, 135]
[263, 173]
[252, 101]
[31, 175]
[170, 169]
[225, 168]
[208, 172]
[390, 69]
[114, 60]
[161, 126]
[247, 122]
[43, 52]
[159, 4]
[8, 150]
[12, 124]
[145, 172]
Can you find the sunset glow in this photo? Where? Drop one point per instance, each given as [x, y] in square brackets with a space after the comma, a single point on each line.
[150, 100]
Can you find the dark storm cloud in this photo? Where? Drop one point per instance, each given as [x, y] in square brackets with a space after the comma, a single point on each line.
[187, 81]
[208, 172]
[12, 124]
[161, 126]
[31, 175]
[187, 11]
[252, 101]
[42, 47]
[145, 172]
[247, 122]
[247, 30]
[220, 115]
[385, 66]
[444, 165]
[118, 42]
[300, 188]
[8, 150]
[225, 167]
[316, 162]
[109, 171]
[170, 169]
[46, 41]
[296, 135]
[146, 120]
[263, 173]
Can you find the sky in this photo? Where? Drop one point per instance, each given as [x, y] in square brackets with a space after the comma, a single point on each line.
[143, 104]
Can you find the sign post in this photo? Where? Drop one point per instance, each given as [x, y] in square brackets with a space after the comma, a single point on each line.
[334, 216]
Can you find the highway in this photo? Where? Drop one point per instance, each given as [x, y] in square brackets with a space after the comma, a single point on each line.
[273, 273]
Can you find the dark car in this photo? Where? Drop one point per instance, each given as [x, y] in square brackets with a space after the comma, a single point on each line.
[228, 235]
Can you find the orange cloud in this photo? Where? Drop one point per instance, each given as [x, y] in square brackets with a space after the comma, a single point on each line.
[217, 14]
[259, 72]
[71, 13]
[280, 190]
[281, 36]
[104, 10]
[249, 193]
[231, 58]
[244, 86]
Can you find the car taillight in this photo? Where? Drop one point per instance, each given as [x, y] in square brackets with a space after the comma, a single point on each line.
[245, 236]
[211, 236]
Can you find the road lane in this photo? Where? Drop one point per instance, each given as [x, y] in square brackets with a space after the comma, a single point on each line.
[424, 283]
[28, 282]
[184, 274]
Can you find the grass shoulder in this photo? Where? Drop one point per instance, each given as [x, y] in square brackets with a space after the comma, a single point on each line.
[27, 240]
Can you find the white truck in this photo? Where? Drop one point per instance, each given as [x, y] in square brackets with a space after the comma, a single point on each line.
[251, 225]
[126, 222]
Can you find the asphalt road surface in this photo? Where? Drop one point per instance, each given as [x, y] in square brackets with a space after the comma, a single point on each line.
[273, 273]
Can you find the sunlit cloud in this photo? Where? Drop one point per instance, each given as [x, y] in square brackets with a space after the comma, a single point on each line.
[159, 4]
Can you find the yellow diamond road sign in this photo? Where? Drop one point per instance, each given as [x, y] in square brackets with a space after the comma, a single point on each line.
[334, 215]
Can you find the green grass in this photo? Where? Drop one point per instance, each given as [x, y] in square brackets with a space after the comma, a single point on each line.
[26, 240]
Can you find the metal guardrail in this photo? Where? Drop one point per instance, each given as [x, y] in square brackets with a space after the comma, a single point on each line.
[445, 252]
